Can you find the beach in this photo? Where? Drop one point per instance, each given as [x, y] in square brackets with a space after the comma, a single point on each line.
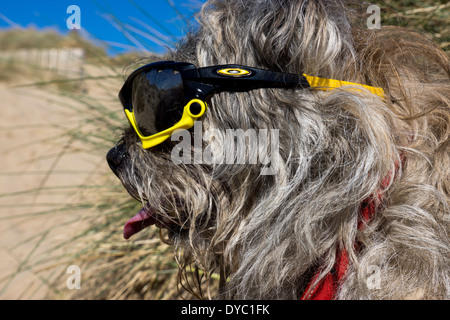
[43, 171]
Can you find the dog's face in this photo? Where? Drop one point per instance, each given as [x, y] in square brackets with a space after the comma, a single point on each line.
[194, 192]
[264, 213]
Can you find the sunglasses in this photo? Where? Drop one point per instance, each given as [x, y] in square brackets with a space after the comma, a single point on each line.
[165, 96]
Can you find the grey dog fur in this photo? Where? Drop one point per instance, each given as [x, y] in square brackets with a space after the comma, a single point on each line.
[265, 234]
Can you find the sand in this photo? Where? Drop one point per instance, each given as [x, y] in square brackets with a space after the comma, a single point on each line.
[39, 167]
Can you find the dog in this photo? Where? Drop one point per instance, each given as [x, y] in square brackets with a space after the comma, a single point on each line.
[357, 206]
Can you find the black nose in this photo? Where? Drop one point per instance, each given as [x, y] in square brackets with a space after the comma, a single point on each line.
[116, 157]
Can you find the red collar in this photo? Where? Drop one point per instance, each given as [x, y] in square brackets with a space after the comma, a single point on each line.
[326, 289]
[328, 286]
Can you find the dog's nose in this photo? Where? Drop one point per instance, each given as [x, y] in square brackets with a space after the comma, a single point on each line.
[116, 156]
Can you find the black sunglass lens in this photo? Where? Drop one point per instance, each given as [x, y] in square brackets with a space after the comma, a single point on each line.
[157, 100]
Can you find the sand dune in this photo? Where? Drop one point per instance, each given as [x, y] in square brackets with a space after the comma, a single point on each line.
[40, 165]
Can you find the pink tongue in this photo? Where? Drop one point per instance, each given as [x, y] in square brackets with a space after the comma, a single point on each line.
[142, 220]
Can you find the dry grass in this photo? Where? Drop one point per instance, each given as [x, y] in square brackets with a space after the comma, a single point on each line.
[15, 39]
[430, 17]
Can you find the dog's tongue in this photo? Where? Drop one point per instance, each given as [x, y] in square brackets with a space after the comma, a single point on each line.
[142, 220]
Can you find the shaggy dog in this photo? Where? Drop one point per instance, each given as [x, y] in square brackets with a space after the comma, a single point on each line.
[359, 205]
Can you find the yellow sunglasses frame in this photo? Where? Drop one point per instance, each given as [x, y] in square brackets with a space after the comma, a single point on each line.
[187, 121]
[215, 79]
[327, 84]
[188, 118]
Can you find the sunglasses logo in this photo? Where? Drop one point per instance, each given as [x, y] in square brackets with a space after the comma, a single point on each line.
[234, 72]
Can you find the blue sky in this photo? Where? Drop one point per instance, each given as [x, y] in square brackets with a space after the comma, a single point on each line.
[123, 25]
